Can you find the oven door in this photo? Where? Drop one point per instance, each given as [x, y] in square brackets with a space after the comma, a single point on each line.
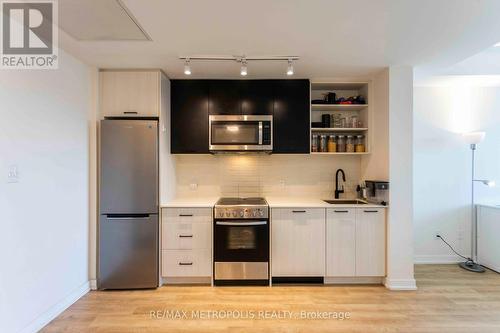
[240, 133]
[241, 252]
[241, 241]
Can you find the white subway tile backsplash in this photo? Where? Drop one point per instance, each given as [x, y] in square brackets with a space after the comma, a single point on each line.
[264, 175]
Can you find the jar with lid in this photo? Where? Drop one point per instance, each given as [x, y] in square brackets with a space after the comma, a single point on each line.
[314, 143]
[360, 144]
[349, 145]
[341, 144]
[323, 144]
[332, 145]
[354, 122]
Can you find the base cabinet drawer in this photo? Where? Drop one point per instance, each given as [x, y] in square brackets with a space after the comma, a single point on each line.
[182, 215]
[186, 263]
[186, 236]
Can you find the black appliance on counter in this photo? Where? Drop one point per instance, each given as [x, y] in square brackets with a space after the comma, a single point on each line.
[241, 241]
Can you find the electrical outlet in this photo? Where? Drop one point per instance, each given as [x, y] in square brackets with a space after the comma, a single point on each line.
[193, 186]
[282, 183]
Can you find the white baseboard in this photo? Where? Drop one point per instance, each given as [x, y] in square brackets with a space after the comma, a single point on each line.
[400, 284]
[354, 280]
[93, 284]
[56, 309]
[437, 259]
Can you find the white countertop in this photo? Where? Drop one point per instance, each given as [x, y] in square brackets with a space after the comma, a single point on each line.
[274, 202]
[191, 202]
[489, 205]
[308, 202]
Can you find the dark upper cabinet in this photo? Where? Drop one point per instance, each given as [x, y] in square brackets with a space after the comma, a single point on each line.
[291, 120]
[224, 97]
[193, 100]
[189, 116]
[257, 96]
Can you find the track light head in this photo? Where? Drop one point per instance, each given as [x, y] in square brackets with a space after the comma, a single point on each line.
[187, 67]
[289, 70]
[244, 70]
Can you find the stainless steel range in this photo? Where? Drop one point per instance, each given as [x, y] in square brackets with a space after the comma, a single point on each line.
[241, 241]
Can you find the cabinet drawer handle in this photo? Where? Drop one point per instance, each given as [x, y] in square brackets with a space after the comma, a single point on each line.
[130, 112]
[298, 211]
[185, 215]
[185, 263]
[185, 236]
[341, 211]
[370, 211]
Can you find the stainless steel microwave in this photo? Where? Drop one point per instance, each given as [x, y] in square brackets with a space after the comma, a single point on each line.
[240, 133]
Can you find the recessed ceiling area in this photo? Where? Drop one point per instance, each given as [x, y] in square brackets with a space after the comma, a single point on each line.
[98, 20]
[334, 38]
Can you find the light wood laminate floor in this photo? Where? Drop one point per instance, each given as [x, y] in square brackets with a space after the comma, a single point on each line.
[448, 300]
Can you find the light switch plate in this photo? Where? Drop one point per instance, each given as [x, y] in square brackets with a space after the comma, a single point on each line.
[13, 174]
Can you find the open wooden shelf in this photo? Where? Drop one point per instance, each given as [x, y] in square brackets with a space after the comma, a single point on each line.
[328, 153]
[338, 129]
[338, 107]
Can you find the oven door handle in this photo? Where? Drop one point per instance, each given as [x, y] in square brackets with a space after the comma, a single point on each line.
[242, 223]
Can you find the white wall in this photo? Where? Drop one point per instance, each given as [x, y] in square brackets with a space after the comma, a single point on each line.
[44, 234]
[442, 164]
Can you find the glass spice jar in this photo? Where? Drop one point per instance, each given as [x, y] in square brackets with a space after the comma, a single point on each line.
[323, 144]
[314, 143]
[332, 145]
[341, 144]
[360, 144]
[349, 146]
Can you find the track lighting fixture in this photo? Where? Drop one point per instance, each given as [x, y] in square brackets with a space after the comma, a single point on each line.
[241, 59]
[187, 68]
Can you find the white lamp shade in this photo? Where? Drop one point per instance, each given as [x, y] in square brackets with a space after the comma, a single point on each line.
[473, 138]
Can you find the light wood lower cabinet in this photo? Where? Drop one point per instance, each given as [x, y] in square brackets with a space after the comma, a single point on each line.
[355, 242]
[298, 242]
[186, 263]
[341, 242]
[370, 242]
[186, 242]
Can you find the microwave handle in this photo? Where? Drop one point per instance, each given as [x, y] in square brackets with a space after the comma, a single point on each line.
[260, 132]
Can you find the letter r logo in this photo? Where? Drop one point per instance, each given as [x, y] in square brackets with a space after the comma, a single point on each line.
[27, 27]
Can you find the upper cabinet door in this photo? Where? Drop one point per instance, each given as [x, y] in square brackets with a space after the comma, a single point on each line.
[257, 97]
[129, 93]
[291, 121]
[189, 117]
[224, 97]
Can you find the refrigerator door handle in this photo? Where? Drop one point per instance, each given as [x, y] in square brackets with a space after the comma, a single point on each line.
[127, 217]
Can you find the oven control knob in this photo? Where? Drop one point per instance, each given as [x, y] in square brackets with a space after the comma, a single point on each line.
[254, 213]
[221, 214]
[241, 214]
[234, 214]
[228, 214]
[261, 213]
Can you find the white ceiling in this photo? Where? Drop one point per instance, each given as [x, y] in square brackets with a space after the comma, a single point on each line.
[333, 37]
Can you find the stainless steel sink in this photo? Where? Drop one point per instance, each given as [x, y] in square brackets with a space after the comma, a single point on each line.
[345, 202]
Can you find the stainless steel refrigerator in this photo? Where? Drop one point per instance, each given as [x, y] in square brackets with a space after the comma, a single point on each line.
[128, 209]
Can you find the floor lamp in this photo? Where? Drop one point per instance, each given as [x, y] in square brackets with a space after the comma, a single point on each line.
[473, 138]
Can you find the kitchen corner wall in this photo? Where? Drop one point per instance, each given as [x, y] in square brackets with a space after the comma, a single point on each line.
[264, 175]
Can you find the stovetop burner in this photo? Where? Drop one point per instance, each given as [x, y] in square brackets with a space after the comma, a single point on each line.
[241, 201]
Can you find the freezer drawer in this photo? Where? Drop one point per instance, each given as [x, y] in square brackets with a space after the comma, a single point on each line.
[129, 167]
[128, 252]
